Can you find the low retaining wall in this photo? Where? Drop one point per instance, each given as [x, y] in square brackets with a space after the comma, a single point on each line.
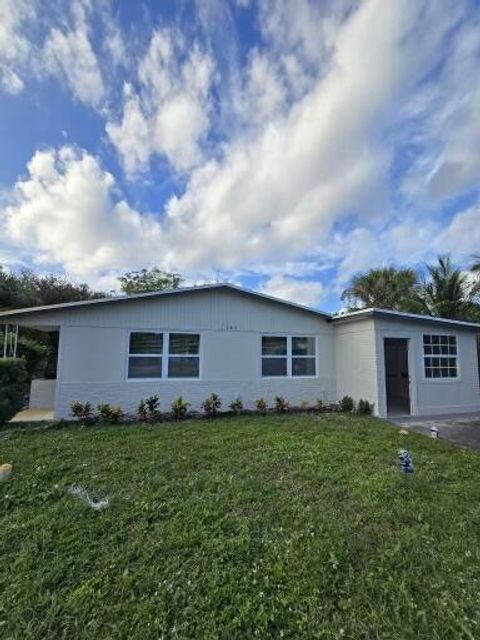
[42, 394]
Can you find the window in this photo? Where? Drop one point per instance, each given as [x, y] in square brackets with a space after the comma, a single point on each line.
[145, 355]
[184, 355]
[284, 356]
[274, 356]
[303, 356]
[440, 356]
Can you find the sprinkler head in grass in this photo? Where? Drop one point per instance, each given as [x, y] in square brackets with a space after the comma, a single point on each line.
[405, 461]
[433, 432]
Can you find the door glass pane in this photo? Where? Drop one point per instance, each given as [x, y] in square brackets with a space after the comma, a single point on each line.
[274, 366]
[303, 346]
[274, 346]
[142, 342]
[180, 367]
[139, 367]
[184, 343]
[303, 366]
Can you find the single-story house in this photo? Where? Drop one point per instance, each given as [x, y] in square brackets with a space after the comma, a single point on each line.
[238, 343]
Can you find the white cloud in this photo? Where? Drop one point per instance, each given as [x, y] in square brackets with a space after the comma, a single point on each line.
[412, 241]
[278, 194]
[15, 48]
[69, 54]
[169, 115]
[320, 100]
[300, 291]
[445, 123]
[65, 213]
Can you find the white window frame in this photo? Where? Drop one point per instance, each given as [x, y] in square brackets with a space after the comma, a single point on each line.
[182, 355]
[289, 356]
[165, 355]
[432, 355]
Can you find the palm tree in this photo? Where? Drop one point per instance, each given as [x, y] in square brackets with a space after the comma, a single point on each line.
[385, 288]
[447, 292]
[475, 266]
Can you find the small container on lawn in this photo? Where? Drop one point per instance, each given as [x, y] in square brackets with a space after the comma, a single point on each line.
[405, 462]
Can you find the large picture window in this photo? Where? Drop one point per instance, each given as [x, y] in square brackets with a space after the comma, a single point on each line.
[284, 356]
[147, 355]
[440, 356]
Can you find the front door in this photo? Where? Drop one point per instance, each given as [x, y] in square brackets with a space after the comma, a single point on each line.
[397, 379]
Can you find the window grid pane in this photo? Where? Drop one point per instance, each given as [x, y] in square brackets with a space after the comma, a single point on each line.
[303, 366]
[184, 344]
[274, 346]
[274, 366]
[183, 367]
[303, 346]
[144, 367]
[146, 342]
[440, 356]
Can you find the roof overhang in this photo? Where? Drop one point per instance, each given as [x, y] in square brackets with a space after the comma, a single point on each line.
[17, 315]
[388, 314]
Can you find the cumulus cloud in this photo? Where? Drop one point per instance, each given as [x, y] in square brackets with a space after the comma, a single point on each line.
[279, 194]
[300, 291]
[445, 123]
[306, 180]
[66, 214]
[409, 241]
[69, 54]
[169, 116]
[15, 48]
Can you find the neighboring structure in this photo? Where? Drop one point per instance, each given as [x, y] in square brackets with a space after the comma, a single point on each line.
[224, 339]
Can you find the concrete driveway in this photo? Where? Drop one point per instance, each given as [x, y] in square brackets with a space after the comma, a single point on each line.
[462, 428]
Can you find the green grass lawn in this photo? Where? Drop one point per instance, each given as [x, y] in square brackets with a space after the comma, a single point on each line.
[252, 527]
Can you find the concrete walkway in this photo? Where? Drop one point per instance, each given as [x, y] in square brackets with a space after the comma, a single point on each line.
[34, 415]
[460, 428]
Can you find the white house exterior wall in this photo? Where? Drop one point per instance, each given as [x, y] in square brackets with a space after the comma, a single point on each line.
[93, 353]
[427, 396]
[356, 360]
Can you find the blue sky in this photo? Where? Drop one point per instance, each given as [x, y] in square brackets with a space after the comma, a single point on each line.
[280, 145]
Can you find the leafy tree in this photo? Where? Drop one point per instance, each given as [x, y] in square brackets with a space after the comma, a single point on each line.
[146, 280]
[28, 289]
[447, 291]
[385, 288]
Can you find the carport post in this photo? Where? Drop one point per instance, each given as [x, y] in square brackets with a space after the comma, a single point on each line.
[10, 341]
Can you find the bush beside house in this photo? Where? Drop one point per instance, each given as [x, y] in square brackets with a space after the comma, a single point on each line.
[149, 409]
[13, 387]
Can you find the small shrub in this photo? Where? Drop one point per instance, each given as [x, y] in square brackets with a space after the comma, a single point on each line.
[83, 411]
[281, 405]
[236, 406]
[13, 387]
[149, 409]
[347, 404]
[304, 404]
[110, 414]
[364, 407]
[180, 408]
[261, 406]
[319, 405]
[212, 405]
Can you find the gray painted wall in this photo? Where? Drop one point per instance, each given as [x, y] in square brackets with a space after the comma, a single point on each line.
[350, 354]
[93, 351]
[427, 396]
[356, 360]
